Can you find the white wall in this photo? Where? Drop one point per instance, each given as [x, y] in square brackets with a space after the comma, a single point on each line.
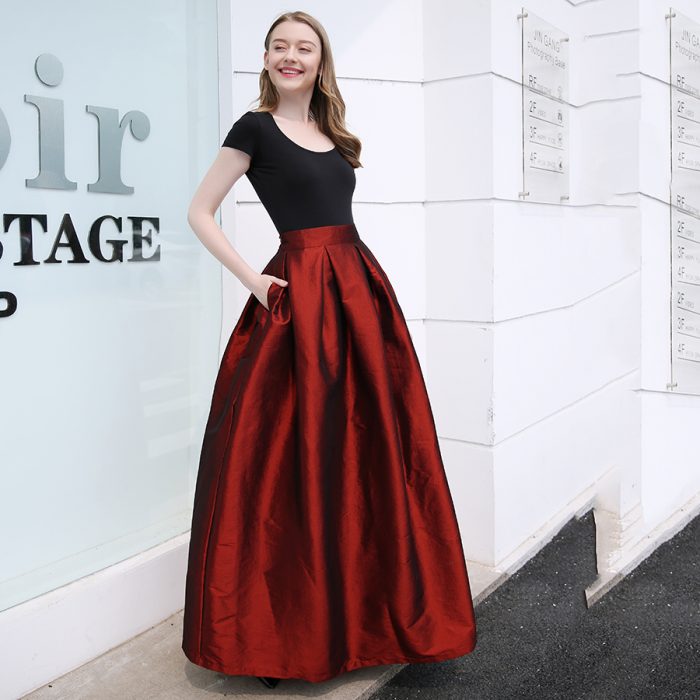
[670, 467]
[540, 318]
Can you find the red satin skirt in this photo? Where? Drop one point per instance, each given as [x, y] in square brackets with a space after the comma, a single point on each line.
[324, 536]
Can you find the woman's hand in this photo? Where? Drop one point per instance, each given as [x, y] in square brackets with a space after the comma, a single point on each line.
[263, 287]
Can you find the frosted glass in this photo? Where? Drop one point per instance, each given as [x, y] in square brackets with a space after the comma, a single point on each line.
[106, 368]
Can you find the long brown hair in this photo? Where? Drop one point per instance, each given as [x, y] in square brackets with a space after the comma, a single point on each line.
[327, 105]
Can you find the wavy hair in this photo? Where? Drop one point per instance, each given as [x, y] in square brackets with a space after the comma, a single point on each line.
[327, 104]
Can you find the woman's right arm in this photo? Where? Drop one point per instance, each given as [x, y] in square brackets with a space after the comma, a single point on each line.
[230, 164]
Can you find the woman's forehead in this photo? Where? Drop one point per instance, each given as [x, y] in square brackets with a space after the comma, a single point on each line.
[290, 32]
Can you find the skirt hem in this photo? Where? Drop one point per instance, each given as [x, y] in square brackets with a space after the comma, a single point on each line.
[349, 665]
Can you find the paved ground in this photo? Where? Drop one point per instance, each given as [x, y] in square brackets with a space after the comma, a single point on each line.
[537, 638]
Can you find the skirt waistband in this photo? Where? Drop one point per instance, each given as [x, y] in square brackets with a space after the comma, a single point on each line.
[319, 235]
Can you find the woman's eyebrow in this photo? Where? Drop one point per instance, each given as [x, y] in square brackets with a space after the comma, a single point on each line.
[302, 41]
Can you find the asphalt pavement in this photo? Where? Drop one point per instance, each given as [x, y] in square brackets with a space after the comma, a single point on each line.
[537, 639]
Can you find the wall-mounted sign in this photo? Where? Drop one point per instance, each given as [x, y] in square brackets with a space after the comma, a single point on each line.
[684, 80]
[66, 244]
[545, 110]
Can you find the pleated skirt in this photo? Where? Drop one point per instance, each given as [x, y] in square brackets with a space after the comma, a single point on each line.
[324, 536]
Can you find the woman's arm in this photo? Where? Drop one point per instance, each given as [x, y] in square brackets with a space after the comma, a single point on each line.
[229, 166]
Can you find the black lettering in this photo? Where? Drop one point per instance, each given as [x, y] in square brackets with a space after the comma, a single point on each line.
[11, 300]
[139, 236]
[71, 242]
[94, 240]
[25, 234]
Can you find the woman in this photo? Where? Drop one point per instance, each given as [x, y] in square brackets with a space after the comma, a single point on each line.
[324, 536]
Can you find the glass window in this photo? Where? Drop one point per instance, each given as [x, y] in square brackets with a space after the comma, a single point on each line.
[110, 307]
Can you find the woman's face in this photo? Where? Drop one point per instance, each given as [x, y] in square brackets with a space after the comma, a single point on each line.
[294, 46]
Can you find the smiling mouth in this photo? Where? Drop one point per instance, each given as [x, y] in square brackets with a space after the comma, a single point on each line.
[290, 73]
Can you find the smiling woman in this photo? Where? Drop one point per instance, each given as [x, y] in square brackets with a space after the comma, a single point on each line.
[295, 57]
[324, 537]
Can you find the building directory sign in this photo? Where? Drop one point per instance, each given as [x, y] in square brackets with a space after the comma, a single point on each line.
[684, 195]
[545, 110]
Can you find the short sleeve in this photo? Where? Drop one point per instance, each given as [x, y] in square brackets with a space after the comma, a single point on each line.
[244, 134]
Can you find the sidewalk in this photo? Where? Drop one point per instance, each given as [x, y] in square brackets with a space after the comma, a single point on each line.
[537, 639]
[152, 666]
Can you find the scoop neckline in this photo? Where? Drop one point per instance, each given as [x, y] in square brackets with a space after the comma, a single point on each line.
[303, 148]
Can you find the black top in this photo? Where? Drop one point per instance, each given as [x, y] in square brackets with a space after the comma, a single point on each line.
[298, 187]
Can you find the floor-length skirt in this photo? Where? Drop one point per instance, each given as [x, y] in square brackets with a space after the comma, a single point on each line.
[324, 535]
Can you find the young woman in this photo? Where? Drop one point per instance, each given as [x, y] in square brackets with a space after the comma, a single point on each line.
[324, 536]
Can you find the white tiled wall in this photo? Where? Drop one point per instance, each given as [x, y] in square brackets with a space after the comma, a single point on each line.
[536, 332]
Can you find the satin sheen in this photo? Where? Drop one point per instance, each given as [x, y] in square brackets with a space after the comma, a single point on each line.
[324, 536]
